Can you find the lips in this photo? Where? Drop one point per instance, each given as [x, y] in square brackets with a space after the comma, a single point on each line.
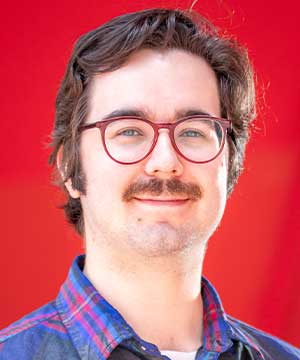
[162, 201]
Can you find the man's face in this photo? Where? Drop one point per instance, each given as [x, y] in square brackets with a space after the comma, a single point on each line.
[126, 217]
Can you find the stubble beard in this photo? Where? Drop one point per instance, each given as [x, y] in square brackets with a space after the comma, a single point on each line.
[165, 240]
[162, 239]
[158, 247]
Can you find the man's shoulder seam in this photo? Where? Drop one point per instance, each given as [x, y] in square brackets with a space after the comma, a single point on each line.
[261, 335]
[236, 322]
[29, 321]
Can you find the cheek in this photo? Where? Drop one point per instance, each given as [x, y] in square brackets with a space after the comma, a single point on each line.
[96, 165]
[96, 168]
[216, 184]
[106, 180]
[220, 169]
[103, 180]
[222, 172]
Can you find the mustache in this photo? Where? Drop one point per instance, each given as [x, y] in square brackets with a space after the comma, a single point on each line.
[157, 187]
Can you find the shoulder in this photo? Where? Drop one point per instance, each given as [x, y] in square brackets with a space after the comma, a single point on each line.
[270, 346]
[41, 317]
[36, 333]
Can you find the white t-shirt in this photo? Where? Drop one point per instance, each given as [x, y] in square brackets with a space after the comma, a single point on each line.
[179, 355]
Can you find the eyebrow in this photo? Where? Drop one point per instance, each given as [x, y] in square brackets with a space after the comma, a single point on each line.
[146, 114]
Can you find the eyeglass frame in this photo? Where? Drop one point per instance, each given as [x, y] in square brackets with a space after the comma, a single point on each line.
[225, 124]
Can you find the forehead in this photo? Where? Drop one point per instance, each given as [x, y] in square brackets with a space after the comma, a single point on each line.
[161, 84]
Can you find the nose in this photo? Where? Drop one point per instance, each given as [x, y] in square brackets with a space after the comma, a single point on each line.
[163, 162]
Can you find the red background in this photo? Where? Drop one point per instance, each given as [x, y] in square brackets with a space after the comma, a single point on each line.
[253, 259]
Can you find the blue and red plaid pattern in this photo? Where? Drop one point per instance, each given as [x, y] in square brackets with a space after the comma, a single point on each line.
[83, 325]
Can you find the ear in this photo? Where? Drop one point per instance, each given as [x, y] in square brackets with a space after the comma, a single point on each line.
[74, 193]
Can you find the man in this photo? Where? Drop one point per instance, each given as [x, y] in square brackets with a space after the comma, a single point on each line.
[151, 125]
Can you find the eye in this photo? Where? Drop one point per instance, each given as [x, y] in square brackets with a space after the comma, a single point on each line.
[191, 133]
[129, 132]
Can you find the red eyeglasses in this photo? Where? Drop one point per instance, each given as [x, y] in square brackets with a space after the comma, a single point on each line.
[130, 139]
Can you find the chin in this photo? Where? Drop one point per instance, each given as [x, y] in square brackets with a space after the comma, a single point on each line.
[163, 239]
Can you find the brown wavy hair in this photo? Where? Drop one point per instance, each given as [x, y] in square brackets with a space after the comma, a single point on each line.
[108, 47]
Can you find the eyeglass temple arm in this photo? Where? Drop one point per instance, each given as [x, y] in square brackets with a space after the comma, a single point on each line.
[88, 126]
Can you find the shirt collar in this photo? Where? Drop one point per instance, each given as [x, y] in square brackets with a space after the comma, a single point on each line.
[96, 328]
[218, 330]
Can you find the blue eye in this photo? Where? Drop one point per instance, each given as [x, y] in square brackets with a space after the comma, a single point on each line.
[130, 132]
[192, 133]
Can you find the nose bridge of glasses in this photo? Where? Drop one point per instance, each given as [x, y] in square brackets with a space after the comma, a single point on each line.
[163, 157]
[165, 128]
[164, 141]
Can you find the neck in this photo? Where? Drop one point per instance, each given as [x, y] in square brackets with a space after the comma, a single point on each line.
[159, 297]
